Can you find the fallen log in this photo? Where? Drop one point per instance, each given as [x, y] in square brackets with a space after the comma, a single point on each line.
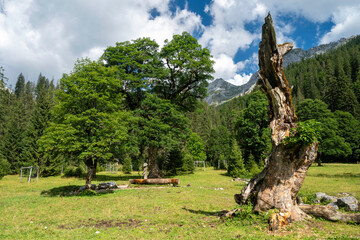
[173, 181]
[328, 213]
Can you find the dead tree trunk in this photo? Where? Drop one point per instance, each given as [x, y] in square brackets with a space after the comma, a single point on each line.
[279, 182]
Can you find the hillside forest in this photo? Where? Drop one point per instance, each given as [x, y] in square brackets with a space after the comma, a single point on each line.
[139, 103]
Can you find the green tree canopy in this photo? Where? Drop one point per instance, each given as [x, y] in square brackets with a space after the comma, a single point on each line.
[195, 147]
[331, 145]
[252, 128]
[89, 120]
[188, 67]
[219, 145]
[161, 127]
[139, 63]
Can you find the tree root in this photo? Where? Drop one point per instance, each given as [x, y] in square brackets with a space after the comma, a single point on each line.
[247, 190]
[328, 213]
[225, 214]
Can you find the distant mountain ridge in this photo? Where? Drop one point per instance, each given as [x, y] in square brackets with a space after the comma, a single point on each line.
[221, 91]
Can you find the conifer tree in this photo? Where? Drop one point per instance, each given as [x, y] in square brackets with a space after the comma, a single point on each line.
[127, 164]
[20, 86]
[236, 166]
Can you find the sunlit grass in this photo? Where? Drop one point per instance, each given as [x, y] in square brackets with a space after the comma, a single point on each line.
[157, 213]
[333, 179]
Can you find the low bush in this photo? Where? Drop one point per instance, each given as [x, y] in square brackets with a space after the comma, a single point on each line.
[74, 172]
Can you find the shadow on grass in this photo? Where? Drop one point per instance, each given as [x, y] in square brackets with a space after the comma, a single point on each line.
[69, 191]
[344, 175]
[60, 191]
[115, 178]
[225, 174]
[206, 213]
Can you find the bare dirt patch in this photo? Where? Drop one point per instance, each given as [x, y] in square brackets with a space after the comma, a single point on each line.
[102, 223]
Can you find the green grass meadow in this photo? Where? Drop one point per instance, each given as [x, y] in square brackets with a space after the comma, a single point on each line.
[37, 210]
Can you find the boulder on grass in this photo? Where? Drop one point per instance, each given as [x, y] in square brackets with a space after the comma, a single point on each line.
[82, 188]
[107, 185]
[329, 198]
[320, 195]
[333, 205]
[350, 203]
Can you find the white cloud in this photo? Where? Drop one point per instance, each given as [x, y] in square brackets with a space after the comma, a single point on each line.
[48, 36]
[346, 21]
[94, 53]
[227, 33]
[228, 70]
[240, 79]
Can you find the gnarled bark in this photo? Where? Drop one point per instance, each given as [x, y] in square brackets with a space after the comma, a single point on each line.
[279, 182]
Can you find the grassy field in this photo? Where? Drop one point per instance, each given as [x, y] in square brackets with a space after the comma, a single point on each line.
[37, 211]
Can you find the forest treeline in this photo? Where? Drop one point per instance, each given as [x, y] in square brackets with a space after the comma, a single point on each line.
[325, 88]
[139, 103]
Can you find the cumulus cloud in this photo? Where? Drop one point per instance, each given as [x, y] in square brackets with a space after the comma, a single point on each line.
[346, 21]
[228, 32]
[48, 36]
[228, 70]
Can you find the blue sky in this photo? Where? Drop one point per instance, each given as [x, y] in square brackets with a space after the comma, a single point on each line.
[48, 36]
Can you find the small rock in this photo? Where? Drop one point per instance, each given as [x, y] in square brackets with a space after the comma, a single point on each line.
[344, 194]
[188, 185]
[82, 188]
[329, 198]
[97, 232]
[241, 180]
[316, 201]
[333, 205]
[320, 195]
[107, 185]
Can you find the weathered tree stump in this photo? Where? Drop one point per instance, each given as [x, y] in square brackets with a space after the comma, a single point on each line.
[285, 169]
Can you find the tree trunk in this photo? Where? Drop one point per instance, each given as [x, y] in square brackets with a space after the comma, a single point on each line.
[94, 169]
[91, 165]
[318, 160]
[285, 169]
[154, 170]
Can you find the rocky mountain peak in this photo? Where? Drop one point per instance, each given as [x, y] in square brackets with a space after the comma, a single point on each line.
[221, 91]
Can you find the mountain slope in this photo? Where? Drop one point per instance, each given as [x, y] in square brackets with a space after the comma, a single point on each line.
[221, 91]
